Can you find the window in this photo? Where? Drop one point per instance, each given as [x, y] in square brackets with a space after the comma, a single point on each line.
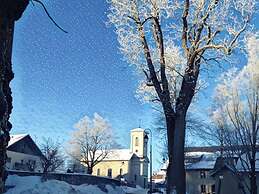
[203, 189]
[213, 189]
[135, 177]
[203, 174]
[109, 174]
[98, 172]
[136, 141]
[121, 171]
[136, 151]
[21, 161]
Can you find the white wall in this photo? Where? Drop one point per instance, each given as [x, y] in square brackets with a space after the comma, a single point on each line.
[18, 157]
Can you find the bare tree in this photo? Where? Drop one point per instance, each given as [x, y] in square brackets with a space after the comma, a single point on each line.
[53, 157]
[148, 32]
[237, 112]
[91, 141]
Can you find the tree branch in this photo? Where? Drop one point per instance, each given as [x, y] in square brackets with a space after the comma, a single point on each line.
[46, 11]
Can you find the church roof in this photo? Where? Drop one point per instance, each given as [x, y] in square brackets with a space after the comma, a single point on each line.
[119, 154]
[137, 129]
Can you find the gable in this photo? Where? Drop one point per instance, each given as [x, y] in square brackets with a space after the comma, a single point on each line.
[25, 145]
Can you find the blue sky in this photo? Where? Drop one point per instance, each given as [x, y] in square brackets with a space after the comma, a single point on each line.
[61, 77]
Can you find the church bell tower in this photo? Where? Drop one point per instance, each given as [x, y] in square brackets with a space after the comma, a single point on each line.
[138, 142]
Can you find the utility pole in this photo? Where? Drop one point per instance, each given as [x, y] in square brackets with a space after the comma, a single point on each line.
[150, 158]
[10, 11]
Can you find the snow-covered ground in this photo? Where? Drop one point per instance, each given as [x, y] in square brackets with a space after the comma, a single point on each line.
[34, 185]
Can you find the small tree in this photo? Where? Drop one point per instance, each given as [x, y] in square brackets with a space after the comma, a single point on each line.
[53, 157]
[91, 141]
[237, 112]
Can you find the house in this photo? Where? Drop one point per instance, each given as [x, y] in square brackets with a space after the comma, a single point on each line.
[198, 166]
[130, 165]
[23, 154]
[207, 172]
[231, 177]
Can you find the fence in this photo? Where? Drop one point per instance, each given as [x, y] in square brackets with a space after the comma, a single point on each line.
[71, 178]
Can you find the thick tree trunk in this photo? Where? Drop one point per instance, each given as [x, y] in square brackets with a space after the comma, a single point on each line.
[182, 104]
[178, 163]
[6, 34]
[10, 11]
[170, 123]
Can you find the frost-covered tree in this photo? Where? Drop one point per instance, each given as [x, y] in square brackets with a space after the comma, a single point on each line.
[237, 112]
[91, 141]
[169, 41]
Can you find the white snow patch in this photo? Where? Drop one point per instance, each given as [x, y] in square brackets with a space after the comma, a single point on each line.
[16, 138]
[34, 185]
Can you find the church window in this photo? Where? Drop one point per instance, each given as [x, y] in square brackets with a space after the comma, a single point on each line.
[109, 174]
[121, 171]
[136, 141]
[98, 172]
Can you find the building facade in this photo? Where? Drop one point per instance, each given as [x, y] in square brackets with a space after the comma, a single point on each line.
[130, 165]
[23, 154]
[209, 173]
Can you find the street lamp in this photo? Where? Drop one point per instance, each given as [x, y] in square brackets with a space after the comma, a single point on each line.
[148, 131]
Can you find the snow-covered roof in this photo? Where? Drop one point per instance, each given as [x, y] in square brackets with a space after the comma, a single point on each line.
[160, 172]
[16, 138]
[197, 160]
[206, 161]
[119, 154]
[198, 154]
[137, 129]
[203, 164]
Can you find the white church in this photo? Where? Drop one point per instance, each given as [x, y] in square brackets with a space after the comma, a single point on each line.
[128, 164]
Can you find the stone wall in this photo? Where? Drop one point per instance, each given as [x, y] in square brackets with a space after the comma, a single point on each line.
[71, 178]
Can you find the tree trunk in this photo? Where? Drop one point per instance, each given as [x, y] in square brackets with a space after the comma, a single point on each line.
[10, 11]
[253, 185]
[170, 123]
[178, 162]
[6, 36]
[90, 170]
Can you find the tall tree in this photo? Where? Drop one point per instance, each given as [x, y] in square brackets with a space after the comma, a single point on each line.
[237, 112]
[10, 11]
[91, 141]
[149, 31]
